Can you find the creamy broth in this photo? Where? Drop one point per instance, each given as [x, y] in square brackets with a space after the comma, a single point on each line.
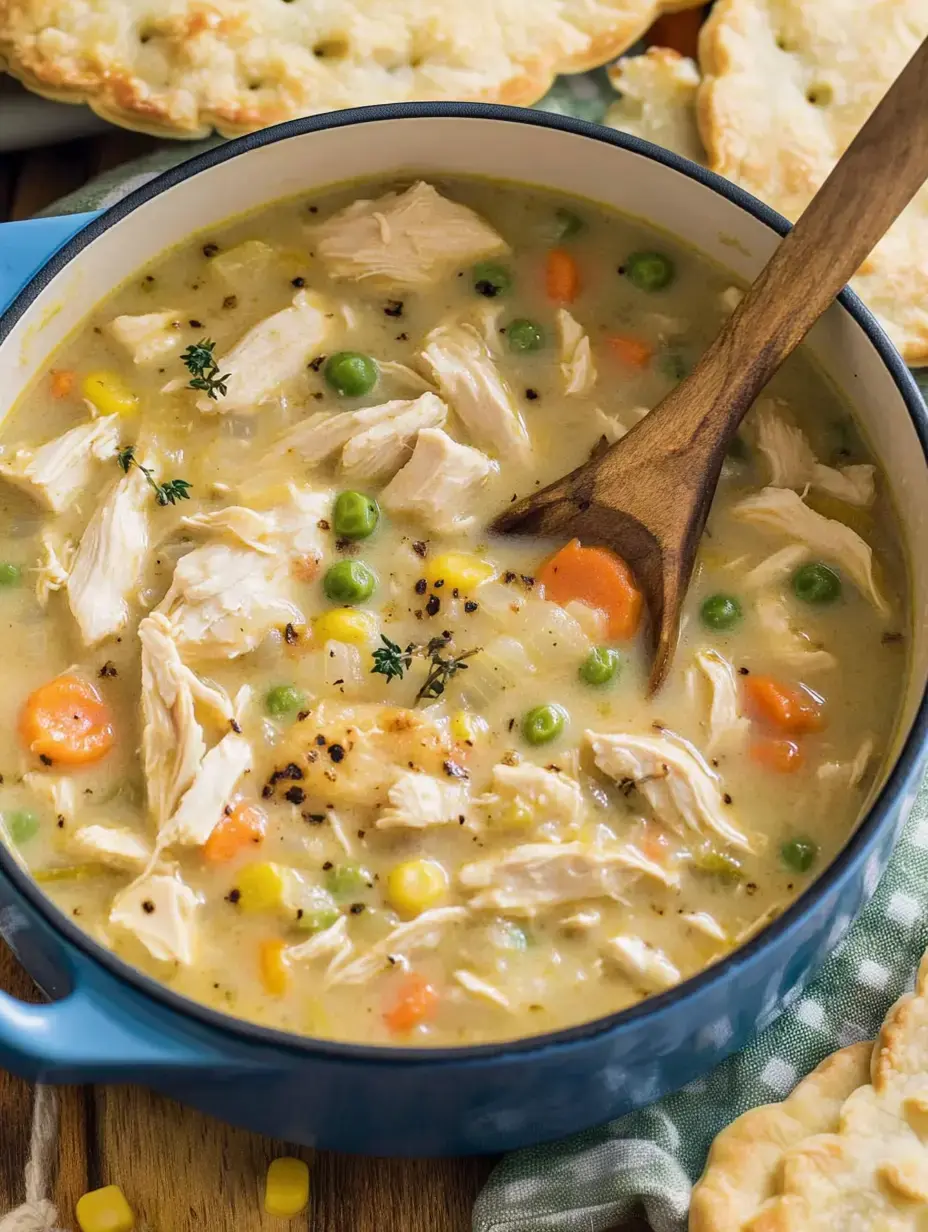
[260, 820]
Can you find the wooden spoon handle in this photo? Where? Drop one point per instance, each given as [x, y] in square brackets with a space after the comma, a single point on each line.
[879, 173]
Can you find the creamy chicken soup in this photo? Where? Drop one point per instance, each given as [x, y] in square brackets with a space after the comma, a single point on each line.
[290, 732]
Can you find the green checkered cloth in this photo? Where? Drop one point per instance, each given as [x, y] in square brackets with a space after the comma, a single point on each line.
[592, 1181]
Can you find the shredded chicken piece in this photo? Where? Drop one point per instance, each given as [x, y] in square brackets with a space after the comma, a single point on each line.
[332, 942]
[471, 384]
[273, 352]
[110, 559]
[728, 727]
[223, 600]
[780, 510]
[54, 570]
[535, 876]
[776, 568]
[481, 988]
[159, 909]
[364, 747]
[402, 374]
[375, 436]
[202, 804]
[672, 776]
[529, 793]
[418, 801]
[703, 922]
[385, 447]
[581, 921]
[58, 790]
[172, 740]
[439, 482]
[793, 463]
[835, 776]
[788, 643]
[407, 239]
[425, 932]
[290, 529]
[114, 846]
[643, 964]
[149, 337]
[577, 367]
[54, 473]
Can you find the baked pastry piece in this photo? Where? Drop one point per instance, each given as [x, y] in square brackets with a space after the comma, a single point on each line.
[183, 67]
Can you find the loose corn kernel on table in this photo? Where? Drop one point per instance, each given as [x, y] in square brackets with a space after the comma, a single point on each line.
[129, 1137]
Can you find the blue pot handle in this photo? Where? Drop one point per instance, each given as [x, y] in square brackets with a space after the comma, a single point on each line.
[26, 246]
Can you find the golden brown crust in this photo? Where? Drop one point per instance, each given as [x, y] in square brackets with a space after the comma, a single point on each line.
[742, 1170]
[786, 86]
[184, 67]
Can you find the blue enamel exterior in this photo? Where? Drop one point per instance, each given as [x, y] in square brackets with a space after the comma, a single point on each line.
[108, 1022]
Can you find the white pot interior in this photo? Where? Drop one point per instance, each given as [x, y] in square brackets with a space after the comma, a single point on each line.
[504, 150]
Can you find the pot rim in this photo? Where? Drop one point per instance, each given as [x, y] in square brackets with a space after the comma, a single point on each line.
[877, 816]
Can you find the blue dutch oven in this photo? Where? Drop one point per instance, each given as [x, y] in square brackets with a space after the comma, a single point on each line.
[105, 1021]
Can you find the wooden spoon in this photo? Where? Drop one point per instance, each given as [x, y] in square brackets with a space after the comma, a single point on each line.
[648, 495]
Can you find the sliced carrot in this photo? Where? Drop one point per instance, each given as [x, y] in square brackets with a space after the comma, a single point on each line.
[273, 967]
[562, 276]
[416, 1002]
[62, 382]
[783, 707]
[783, 756]
[67, 720]
[600, 579]
[678, 31]
[634, 352]
[231, 834]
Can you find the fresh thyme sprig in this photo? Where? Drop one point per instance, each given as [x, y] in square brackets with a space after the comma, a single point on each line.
[168, 493]
[204, 371]
[391, 662]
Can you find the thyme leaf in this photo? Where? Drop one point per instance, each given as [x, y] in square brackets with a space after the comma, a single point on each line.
[391, 662]
[204, 371]
[168, 493]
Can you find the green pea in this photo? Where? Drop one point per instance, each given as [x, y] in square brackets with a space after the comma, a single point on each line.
[355, 516]
[524, 335]
[649, 271]
[567, 224]
[283, 700]
[491, 279]
[816, 583]
[720, 612]
[349, 581]
[317, 910]
[799, 854]
[351, 374]
[10, 575]
[22, 825]
[543, 724]
[600, 665]
[347, 880]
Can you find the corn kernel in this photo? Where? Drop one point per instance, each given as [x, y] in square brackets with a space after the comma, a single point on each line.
[273, 966]
[287, 1189]
[345, 624]
[109, 394]
[459, 570]
[261, 887]
[104, 1210]
[467, 726]
[416, 885]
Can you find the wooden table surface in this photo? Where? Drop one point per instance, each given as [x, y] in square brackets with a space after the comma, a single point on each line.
[184, 1172]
